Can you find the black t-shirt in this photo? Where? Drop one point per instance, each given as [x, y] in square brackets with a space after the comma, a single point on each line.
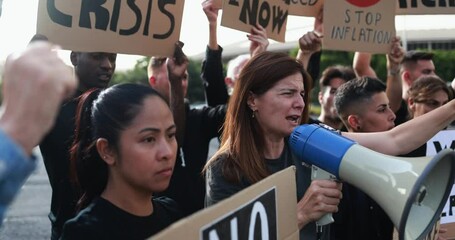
[55, 151]
[103, 220]
[402, 114]
[359, 217]
[219, 188]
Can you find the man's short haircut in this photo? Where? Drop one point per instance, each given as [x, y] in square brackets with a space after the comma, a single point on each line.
[411, 58]
[154, 64]
[338, 71]
[355, 92]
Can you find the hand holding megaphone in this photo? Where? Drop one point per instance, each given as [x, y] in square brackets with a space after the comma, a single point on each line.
[319, 201]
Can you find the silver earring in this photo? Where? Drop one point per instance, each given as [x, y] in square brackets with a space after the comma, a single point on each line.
[252, 114]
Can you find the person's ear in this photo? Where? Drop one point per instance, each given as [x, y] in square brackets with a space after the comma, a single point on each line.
[229, 82]
[407, 78]
[152, 81]
[411, 105]
[74, 58]
[320, 94]
[251, 101]
[354, 122]
[105, 151]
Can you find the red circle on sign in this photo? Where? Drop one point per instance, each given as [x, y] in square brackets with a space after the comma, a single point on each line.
[363, 3]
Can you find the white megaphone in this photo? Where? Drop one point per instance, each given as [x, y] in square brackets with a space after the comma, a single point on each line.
[412, 191]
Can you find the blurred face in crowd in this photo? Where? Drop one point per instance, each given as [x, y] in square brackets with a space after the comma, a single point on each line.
[326, 97]
[94, 69]
[423, 67]
[421, 106]
[375, 116]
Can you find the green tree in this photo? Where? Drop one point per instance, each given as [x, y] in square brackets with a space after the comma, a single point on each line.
[136, 75]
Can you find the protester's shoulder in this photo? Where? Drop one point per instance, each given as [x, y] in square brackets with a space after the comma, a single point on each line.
[85, 225]
[207, 111]
[313, 121]
[168, 207]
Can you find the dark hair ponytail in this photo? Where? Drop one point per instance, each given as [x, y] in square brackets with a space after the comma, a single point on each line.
[85, 162]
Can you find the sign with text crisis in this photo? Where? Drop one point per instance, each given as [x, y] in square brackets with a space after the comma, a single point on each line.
[308, 8]
[143, 27]
[419, 7]
[244, 14]
[359, 25]
[265, 210]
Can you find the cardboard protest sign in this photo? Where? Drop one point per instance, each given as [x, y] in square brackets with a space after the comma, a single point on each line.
[244, 14]
[265, 210]
[218, 4]
[359, 25]
[443, 140]
[418, 7]
[308, 8]
[143, 27]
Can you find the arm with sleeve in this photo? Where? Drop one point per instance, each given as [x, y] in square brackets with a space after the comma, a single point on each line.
[15, 168]
[213, 78]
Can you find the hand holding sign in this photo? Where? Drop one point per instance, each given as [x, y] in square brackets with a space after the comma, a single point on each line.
[210, 10]
[244, 14]
[395, 56]
[178, 64]
[259, 41]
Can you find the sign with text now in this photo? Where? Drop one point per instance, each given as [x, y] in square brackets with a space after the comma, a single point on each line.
[242, 15]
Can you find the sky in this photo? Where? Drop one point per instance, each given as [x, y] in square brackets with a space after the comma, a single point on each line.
[18, 25]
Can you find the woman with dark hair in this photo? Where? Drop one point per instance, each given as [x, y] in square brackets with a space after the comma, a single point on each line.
[426, 94]
[124, 150]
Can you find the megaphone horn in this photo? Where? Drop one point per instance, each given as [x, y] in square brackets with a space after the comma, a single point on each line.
[412, 191]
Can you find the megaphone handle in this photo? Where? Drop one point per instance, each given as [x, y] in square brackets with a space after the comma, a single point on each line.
[319, 173]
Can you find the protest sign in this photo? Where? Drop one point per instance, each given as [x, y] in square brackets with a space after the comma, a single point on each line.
[359, 25]
[218, 4]
[143, 27]
[443, 140]
[418, 7]
[308, 8]
[242, 15]
[265, 210]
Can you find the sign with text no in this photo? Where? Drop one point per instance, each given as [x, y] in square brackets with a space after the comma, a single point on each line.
[143, 27]
[359, 25]
[255, 220]
[244, 14]
[265, 210]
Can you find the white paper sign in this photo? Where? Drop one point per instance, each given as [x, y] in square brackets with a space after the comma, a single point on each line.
[443, 140]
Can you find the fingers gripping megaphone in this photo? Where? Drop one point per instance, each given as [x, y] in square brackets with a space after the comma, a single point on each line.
[412, 191]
